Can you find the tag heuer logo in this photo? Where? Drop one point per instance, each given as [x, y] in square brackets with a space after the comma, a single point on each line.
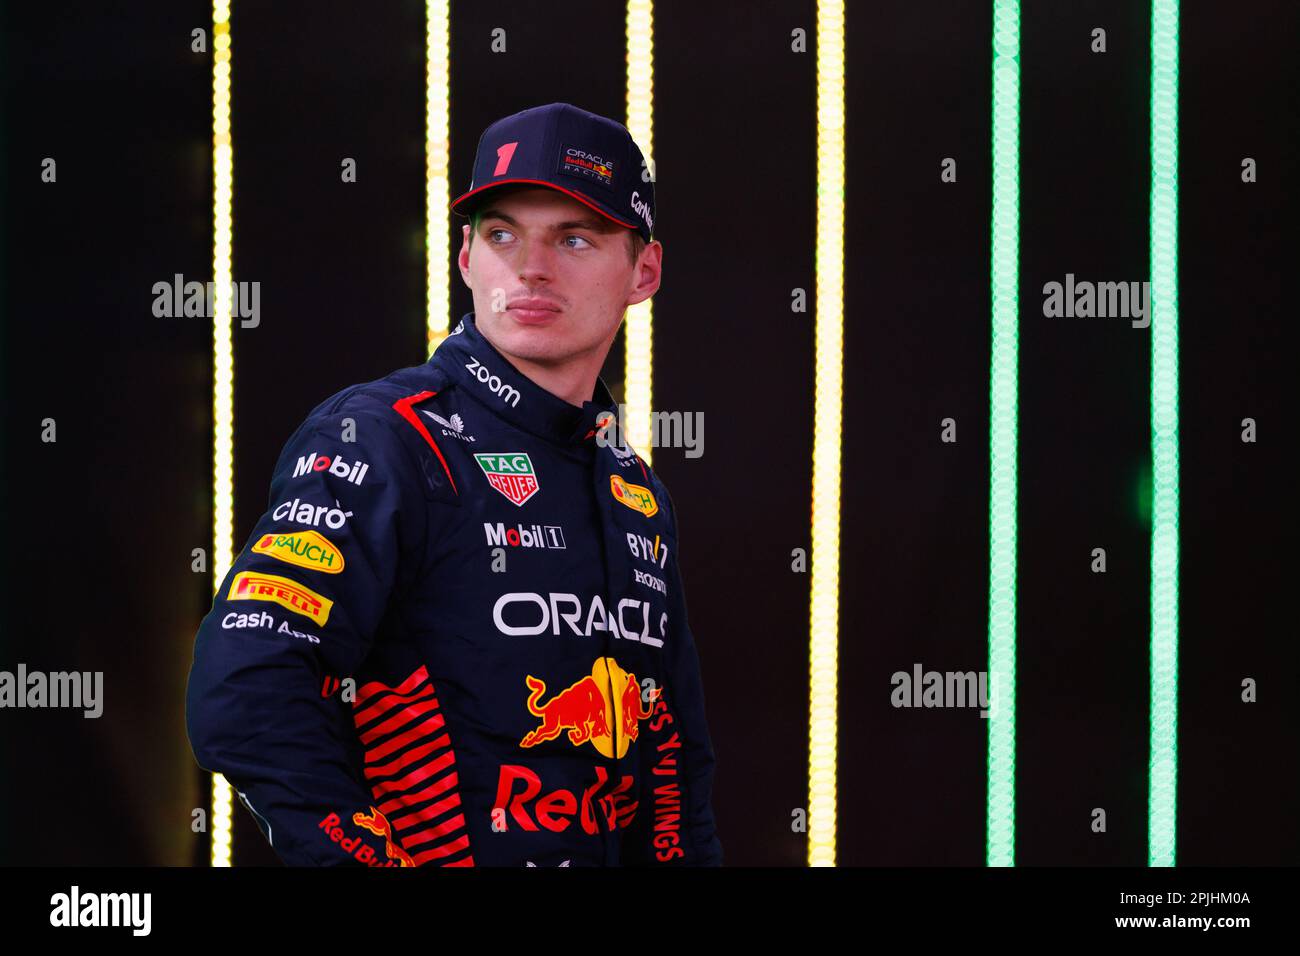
[511, 474]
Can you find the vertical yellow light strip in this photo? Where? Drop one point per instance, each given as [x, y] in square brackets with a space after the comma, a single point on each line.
[436, 187]
[223, 365]
[638, 336]
[823, 731]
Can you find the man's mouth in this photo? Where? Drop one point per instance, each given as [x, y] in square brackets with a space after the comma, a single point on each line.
[533, 311]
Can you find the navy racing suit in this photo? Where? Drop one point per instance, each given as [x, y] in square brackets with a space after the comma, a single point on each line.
[458, 636]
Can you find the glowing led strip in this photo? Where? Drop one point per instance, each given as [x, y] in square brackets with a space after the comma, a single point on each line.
[223, 409]
[1003, 388]
[1162, 796]
[436, 186]
[638, 335]
[827, 422]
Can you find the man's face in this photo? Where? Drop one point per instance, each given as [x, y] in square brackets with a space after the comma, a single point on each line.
[551, 277]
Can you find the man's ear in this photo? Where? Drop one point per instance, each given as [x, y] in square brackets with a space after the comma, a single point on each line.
[648, 273]
[462, 260]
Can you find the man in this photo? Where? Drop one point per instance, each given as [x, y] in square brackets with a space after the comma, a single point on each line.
[458, 635]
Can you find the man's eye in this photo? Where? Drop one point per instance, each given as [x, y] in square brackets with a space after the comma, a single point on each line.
[579, 238]
[492, 232]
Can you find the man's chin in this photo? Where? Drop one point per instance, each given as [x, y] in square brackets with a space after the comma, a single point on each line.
[530, 342]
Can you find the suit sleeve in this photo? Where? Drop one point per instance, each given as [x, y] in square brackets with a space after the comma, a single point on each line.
[298, 609]
[678, 723]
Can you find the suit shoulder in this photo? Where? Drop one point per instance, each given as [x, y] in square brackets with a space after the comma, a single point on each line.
[385, 395]
[660, 490]
[389, 401]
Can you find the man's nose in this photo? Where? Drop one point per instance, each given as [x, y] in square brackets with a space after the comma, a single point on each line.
[535, 260]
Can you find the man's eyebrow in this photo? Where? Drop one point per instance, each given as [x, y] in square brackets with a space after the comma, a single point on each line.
[593, 224]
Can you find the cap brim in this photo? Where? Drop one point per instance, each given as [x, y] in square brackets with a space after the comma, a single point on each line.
[463, 206]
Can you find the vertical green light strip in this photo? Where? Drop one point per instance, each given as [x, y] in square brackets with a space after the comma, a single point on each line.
[1162, 796]
[1003, 387]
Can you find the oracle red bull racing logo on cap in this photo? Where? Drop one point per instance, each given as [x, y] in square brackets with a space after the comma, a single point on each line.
[637, 497]
[580, 162]
[605, 709]
[511, 474]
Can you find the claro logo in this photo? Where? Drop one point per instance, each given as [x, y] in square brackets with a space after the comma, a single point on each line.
[302, 512]
[507, 393]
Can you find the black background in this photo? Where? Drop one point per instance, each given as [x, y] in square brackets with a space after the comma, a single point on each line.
[99, 526]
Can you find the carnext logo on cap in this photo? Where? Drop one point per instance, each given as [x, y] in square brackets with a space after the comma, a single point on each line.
[578, 162]
[642, 209]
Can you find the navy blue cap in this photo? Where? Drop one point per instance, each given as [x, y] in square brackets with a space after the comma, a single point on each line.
[589, 157]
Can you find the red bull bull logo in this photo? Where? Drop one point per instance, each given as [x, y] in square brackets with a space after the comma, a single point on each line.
[376, 823]
[605, 708]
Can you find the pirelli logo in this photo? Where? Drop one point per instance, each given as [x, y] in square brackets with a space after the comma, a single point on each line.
[255, 586]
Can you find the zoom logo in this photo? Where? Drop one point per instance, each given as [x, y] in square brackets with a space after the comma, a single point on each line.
[507, 393]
